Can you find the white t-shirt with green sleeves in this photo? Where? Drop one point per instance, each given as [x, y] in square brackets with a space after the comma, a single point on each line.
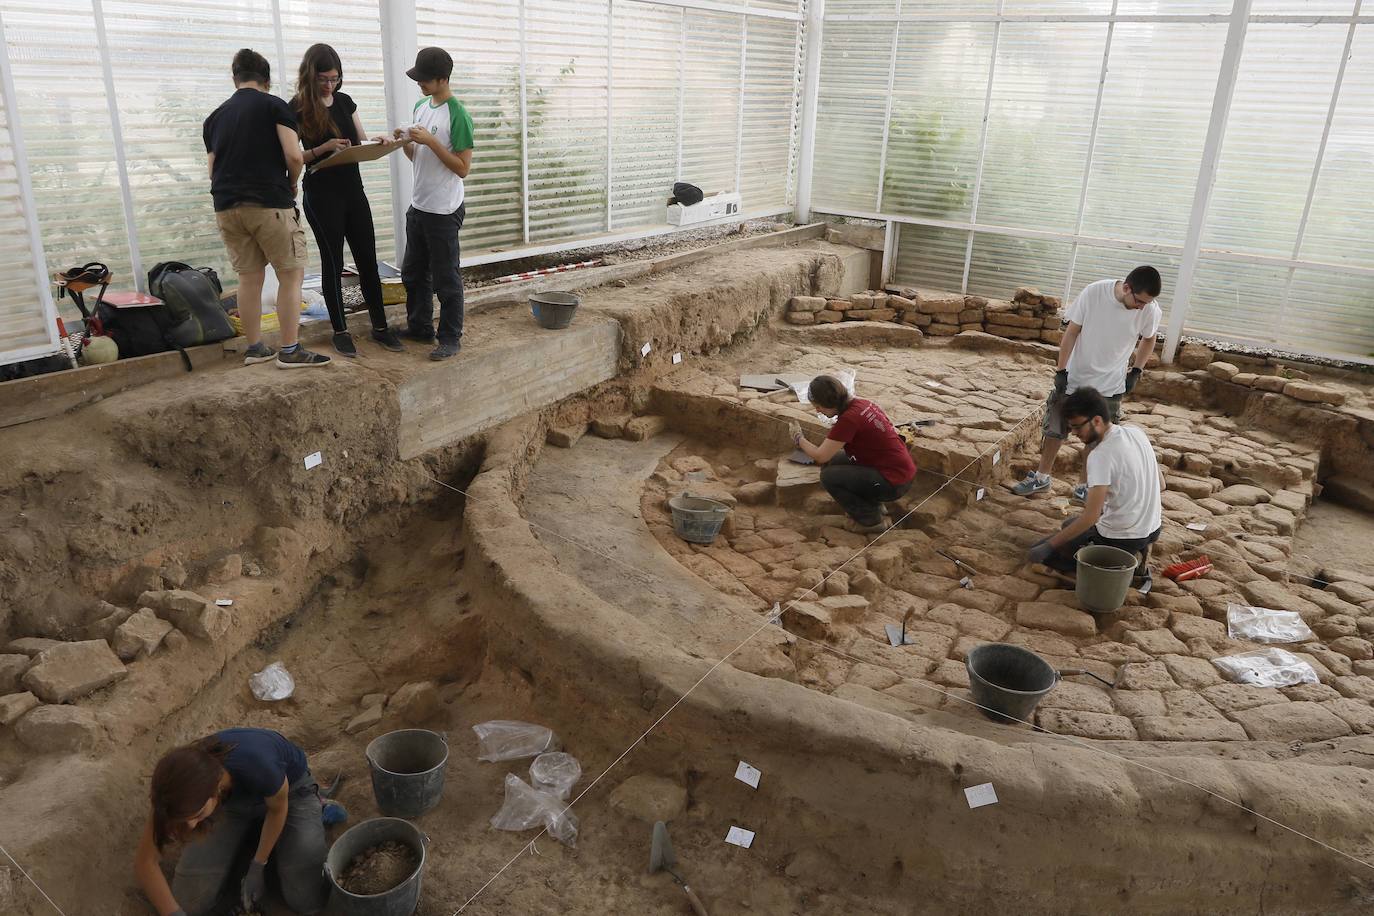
[437, 189]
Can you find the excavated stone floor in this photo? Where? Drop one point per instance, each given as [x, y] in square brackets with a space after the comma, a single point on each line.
[1243, 492]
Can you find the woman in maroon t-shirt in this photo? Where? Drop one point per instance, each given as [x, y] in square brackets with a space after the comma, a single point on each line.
[876, 469]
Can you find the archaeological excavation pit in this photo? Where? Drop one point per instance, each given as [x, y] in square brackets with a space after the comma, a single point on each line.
[492, 540]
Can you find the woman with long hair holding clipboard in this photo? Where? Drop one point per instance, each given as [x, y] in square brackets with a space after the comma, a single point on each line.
[335, 202]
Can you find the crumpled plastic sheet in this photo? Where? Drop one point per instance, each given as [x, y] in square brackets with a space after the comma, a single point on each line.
[503, 739]
[1272, 667]
[1262, 624]
[272, 683]
[526, 807]
[555, 773]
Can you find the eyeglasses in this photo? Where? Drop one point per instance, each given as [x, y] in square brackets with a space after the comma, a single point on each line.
[1077, 426]
[329, 80]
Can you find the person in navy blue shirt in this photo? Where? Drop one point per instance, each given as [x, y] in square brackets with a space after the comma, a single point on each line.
[212, 795]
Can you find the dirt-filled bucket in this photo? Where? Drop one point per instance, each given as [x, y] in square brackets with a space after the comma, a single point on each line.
[402, 898]
[1008, 681]
[554, 311]
[696, 518]
[1104, 578]
[407, 771]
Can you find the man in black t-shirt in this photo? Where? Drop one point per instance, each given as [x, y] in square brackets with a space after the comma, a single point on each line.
[255, 162]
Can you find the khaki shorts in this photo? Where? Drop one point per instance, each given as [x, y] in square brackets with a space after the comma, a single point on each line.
[1054, 427]
[258, 236]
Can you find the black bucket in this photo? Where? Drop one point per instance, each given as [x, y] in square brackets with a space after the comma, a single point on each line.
[554, 310]
[402, 899]
[1008, 681]
[407, 771]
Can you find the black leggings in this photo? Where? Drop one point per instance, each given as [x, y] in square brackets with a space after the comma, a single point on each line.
[860, 490]
[336, 216]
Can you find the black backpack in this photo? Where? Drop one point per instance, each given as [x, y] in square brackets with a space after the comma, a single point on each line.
[189, 314]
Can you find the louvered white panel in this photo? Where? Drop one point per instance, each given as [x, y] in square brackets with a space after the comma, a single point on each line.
[1282, 94]
[1302, 7]
[930, 258]
[1329, 313]
[859, 7]
[67, 135]
[1002, 263]
[770, 107]
[1235, 300]
[165, 90]
[1043, 96]
[711, 102]
[565, 80]
[1155, 109]
[484, 40]
[850, 111]
[353, 28]
[25, 328]
[1048, 7]
[937, 115]
[1172, 7]
[648, 55]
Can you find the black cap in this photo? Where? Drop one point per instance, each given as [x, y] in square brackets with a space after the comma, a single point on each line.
[431, 64]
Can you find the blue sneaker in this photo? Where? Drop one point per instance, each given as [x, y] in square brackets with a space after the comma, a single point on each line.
[333, 813]
[1034, 482]
[1080, 493]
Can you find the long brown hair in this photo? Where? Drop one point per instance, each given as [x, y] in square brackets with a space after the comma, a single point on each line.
[828, 391]
[183, 781]
[314, 116]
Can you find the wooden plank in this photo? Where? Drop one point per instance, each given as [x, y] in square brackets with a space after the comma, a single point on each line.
[27, 399]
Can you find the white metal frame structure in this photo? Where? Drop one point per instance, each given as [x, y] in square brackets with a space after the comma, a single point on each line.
[900, 16]
[41, 305]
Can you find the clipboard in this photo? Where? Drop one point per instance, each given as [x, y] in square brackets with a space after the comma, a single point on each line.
[361, 152]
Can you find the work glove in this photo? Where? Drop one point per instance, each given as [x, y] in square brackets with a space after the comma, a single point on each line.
[254, 886]
[1061, 381]
[1132, 377]
[795, 431]
[1039, 551]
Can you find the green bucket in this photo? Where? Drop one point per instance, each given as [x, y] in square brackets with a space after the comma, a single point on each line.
[1104, 578]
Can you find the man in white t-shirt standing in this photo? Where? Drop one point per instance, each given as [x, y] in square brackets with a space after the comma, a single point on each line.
[1111, 334]
[439, 145]
[1122, 508]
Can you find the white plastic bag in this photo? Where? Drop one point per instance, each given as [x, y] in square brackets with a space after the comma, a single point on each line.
[1262, 624]
[555, 773]
[526, 807]
[508, 740]
[272, 683]
[1266, 668]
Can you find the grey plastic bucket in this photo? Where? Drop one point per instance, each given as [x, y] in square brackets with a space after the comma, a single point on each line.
[407, 771]
[402, 899]
[696, 518]
[1008, 681]
[554, 310]
[1104, 578]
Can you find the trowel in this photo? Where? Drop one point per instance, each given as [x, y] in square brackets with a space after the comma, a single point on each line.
[662, 858]
[897, 635]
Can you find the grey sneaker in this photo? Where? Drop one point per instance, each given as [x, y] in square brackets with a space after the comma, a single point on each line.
[1080, 493]
[301, 358]
[445, 351]
[258, 353]
[1034, 483]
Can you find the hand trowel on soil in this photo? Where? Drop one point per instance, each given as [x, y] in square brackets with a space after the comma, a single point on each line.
[662, 858]
[897, 635]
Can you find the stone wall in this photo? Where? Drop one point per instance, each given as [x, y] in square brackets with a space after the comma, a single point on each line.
[1027, 316]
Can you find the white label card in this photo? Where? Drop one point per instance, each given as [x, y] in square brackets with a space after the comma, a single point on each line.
[644, 350]
[996, 456]
[1197, 526]
[224, 602]
[749, 775]
[978, 796]
[981, 494]
[933, 384]
[738, 836]
[677, 358]
[966, 582]
[313, 460]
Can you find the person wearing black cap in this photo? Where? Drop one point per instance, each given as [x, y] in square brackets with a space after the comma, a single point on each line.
[439, 146]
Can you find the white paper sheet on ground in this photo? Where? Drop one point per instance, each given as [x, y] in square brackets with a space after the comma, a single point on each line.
[677, 358]
[644, 350]
[978, 796]
[996, 456]
[933, 384]
[1262, 624]
[224, 602]
[747, 774]
[981, 493]
[802, 388]
[1197, 526]
[313, 460]
[738, 836]
[1272, 667]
